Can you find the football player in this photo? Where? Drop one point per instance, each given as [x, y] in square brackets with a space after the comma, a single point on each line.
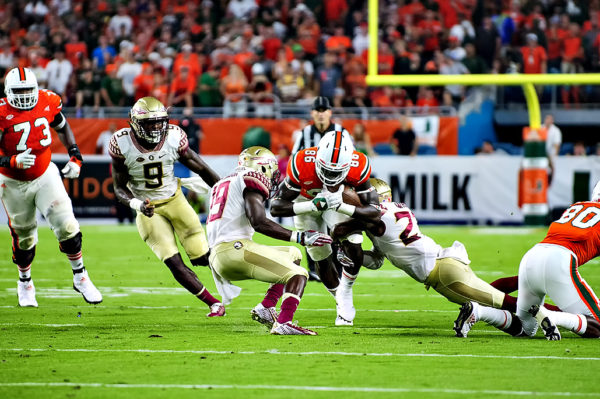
[551, 268]
[312, 193]
[396, 236]
[143, 156]
[237, 210]
[30, 181]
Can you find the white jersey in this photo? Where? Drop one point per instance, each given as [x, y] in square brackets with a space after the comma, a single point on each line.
[151, 172]
[227, 220]
[403, 244]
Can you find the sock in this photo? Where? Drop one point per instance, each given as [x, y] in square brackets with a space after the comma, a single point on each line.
[509, 303]
[495, 317]
[274, 292]
[332, 291]
[506, 284]
[76, 261]
[288, 307]
[552, 307]
[348, 279]
[25, 273]
[573, 322]
[206, 297]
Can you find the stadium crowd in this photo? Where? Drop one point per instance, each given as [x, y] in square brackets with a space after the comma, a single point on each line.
[196, 53]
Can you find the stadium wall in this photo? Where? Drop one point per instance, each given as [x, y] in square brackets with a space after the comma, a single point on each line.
[224, 136]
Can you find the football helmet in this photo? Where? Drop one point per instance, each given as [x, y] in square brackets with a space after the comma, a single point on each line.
[149, 119]
[384, 192]
[21, 88]
[596, 193]
[334, 155]
[263, 161]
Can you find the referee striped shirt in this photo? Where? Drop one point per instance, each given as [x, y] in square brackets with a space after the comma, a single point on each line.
[310, 136]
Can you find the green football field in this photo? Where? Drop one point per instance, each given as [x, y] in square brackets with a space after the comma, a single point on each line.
[150, 338]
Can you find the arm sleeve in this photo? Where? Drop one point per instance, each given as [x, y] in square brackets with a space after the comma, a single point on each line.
[292, 170]
[183, 143]
[113, 148]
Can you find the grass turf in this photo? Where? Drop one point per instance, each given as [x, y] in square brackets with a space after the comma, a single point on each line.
[150, 338]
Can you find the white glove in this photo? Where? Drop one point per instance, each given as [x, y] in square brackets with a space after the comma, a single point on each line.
[311, 238]
[71, 170]
[24, 160]
[334, 200]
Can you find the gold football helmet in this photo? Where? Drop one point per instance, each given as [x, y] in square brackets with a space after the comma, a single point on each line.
[149, 119]
[261, 160]
[384, 192]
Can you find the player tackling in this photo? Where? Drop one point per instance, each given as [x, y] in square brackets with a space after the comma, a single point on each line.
[237, 210]
[30, 181]
[143, 156]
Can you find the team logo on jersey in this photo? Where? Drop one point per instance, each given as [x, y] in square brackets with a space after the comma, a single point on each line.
[237, 245]
[9, 117]
[140, 159]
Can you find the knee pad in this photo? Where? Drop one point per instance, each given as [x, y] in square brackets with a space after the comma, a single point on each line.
[63, 222]
[319, 253]
[71, 245]
[24, 238]
[355, 238]
[23, 257]
[295, 253]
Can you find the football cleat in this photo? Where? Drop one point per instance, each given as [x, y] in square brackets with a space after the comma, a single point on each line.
[345, 306]
[467, 317]
[26, 294]
[216, 310]
[266, 316]
[83, 285]
[550, 330]
[289, 328]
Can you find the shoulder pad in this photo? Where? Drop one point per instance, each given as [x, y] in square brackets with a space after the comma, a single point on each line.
[257, 182]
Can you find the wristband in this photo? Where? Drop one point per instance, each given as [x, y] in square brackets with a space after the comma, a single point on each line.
[303, 207]
[346, 209]
[136, 204]
[74, 152]
[294, 237]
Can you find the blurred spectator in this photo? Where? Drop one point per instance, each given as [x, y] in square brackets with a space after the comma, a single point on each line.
[182, 89]
[111, 88]
[271, 44]
[233, 88]
[487, 41]
[160, 88]
[143, 83]
[571, 62]
[301, 65]
[335, 11]
[192, 129]
[473, 62]
[283, 158]
[328, 77]
[579, 149]
[338, 42]
[360, 42]
[75, 50]
[38, 70]
[260, 91]
[242, 9]
[534, 56]
[362, 141]
[448, 66]
[127, 72]
[426, 98]
[462, 30]
[88, 88]
[104, 139]
[487, 148]
[7, 58]
[430, 30]
[59, 72]
[121, 24]
[187, 59]
[104, 53]
[404, 140]
[455, 51]
[553, 141]
[290, 85]
[209, 94]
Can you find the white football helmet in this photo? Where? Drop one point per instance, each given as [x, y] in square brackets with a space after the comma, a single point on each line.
[334, 155]
[596, 193]
[21, 88]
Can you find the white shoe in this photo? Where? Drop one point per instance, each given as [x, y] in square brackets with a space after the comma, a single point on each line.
[26, 293]
[466, 319]
[345, 305]
[340, 321]
[83, 285]
[266, 316]
[290, 328]
[216, 310]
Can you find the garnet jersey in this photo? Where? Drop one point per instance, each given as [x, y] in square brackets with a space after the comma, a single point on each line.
[578, 230]
[151, 172]
[302, 171]
[23, 129]
[403, 244]
[227, 220]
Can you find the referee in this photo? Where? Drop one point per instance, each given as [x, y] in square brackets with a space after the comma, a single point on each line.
[310, 137]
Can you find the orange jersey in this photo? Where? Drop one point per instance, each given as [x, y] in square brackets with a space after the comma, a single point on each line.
[23, 129]
[578, 230]
[302, 171]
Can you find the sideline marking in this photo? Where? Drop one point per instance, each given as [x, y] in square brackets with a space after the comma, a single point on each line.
[298, 388]
[311, 353]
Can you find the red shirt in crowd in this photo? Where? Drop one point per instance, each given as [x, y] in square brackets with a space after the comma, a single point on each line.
[533, 59]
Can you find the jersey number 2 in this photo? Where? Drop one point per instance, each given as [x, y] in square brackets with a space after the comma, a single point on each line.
[25, 129]
[217, 201]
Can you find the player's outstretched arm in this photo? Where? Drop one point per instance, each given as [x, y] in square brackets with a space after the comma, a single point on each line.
[123, 194]
[282, 204]
[194, 163]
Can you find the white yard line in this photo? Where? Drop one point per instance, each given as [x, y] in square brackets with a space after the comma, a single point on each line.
[311, 353]
[298, 388]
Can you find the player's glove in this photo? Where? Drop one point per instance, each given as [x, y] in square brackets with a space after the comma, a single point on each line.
[334, 200]
[24, 160]
[73, 167]
[311, 238]
[344, 259]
